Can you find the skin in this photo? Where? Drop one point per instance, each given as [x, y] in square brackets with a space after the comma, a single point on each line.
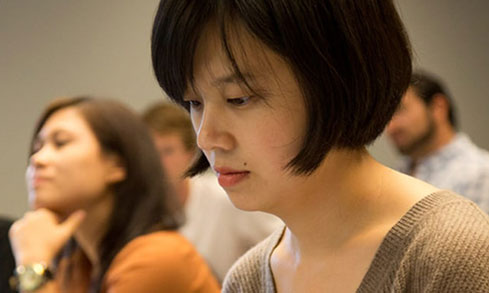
[68, 178]
[419, 129]
[336, 217]
[233, 125]
[175, 159]
[412, 127]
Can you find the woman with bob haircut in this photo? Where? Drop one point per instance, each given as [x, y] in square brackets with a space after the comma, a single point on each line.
[284, 96]
[103, 218]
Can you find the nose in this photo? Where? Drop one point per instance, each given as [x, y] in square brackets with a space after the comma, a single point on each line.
[40, 158]
[214, 130]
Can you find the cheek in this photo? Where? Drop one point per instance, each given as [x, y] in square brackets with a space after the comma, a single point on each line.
[172, 160]
[169, 165]
[186, 159]
[406, 121]
[417, 122]
[84, 178]
[277, 143]
[174, 166]
[166, 160]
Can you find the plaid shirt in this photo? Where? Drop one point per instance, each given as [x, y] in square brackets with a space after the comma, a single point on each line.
[459, 166]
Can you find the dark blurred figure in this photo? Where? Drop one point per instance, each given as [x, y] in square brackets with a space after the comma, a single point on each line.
[7, 262]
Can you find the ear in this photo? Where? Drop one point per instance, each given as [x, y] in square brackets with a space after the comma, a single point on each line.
[116, 169]
[439, 107]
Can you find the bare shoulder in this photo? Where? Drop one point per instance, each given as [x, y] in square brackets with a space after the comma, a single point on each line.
[406, 189]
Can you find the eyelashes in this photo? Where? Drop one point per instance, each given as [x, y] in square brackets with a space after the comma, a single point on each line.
[193, 104]
[238, 102]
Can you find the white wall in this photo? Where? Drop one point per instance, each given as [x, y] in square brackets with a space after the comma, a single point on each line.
[50, 48]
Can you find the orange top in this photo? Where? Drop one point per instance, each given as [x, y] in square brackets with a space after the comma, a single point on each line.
[162, 261]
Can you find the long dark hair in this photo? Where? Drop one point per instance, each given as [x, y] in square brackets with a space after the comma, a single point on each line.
[142, 201]
[351, 58]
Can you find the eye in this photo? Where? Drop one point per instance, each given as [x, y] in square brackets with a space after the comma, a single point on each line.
[60, 139]
[194, 104]
[241, 101]
[167, 151]
[59, 143]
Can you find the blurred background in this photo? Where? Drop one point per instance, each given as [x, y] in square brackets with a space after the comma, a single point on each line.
[53, 48]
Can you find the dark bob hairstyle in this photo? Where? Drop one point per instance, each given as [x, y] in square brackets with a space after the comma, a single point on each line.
[142, 201]
[351, 58]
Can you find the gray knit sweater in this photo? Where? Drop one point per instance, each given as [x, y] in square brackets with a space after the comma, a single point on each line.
[440, 245]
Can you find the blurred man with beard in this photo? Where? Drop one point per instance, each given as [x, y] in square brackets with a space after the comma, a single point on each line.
[424, 130]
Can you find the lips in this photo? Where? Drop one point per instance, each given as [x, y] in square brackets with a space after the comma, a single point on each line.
[36, 181]
[229, 177]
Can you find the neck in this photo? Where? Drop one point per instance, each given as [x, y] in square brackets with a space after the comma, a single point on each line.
[93, 228]
[343, 200]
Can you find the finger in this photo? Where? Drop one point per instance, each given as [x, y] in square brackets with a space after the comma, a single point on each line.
[14, 228]
[69, 226]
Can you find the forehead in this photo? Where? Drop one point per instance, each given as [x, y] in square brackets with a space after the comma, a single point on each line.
[411, 97]
[170, 137]
[254, 61]
[66, 119]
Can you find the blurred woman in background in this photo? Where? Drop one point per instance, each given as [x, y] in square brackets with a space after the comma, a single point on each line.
[102, 219]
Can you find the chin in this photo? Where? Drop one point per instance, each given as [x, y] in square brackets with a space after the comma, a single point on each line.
[35, 203]
[38, 204]
[245, 202]
[239, 201]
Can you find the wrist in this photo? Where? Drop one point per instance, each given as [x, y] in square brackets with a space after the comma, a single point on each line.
[31, 277]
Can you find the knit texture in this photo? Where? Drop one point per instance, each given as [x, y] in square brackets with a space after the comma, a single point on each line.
[440, 245]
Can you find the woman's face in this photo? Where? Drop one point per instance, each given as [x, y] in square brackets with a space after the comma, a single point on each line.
[68, 170]
[248, 140]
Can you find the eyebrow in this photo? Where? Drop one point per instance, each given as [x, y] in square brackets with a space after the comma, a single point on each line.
[55, 133]
[232, 78]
